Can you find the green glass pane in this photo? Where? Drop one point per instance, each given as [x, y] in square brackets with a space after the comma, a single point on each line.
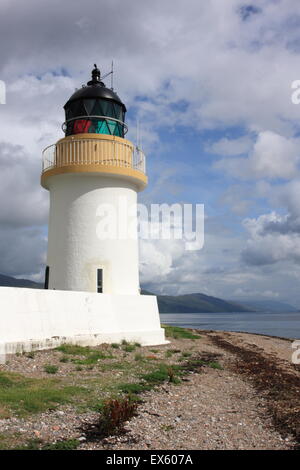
[118, 112]
[78, 108]
[89, 104]
[102, 128]
[97, 109]
[118, 130]
[112, 126]
[106, 109]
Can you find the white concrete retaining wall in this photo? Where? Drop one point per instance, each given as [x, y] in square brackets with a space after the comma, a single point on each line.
[32, 319]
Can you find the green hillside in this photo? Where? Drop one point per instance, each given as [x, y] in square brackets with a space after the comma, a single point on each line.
[196, 303]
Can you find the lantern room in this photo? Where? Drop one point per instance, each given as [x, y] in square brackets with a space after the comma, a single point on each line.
[95, 109]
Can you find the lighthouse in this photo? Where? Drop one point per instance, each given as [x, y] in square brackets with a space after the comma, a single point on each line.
[93, 175]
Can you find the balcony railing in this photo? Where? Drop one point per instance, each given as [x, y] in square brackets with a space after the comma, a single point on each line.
[94, 152]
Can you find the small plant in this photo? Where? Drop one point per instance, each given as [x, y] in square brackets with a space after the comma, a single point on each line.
[137, 345]
[37, 444]
[115, 345]
[70, 444]
[78, 368]
[30, 354]
[173, 376]
[186, 354]
[129, 347]
[157, 376]
[154, 350]
[64, 359]
[50, 369]
[170, 352]
[113, 414]
[167, 427]
[215, 365]
[138, 357]
[133, 388]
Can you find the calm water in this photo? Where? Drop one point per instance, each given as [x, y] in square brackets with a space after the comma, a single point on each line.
[286, 325]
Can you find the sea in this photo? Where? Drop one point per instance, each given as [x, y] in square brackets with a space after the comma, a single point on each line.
[285, 325]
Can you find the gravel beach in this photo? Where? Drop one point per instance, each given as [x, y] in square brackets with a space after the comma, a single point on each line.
[228, 406]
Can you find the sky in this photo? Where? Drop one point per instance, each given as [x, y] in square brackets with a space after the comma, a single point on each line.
[211, 85]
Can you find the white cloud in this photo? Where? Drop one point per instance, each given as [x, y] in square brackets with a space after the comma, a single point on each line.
[268, 244]
[273, 156]
[199, 66]
[231, 147]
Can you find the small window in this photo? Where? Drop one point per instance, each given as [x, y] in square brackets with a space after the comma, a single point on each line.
[46, 285]
[100, 281]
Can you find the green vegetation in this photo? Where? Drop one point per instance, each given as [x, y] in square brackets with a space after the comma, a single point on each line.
[37, 444]
[129, 347]
[50, 369]
[111, 385]
[186, 354]
[91, 356]
[170, 352]
[138, 357]
[30, 354]
[177, 333]
[215, 365]
[115, 345]
[25, 395]
[133, 388]
[64, 359]
[74, 349]
[167, 427]
[198, 303]
[162, 373]
[113, 414]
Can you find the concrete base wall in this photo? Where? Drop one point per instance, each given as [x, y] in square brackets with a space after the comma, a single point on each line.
[32, 319]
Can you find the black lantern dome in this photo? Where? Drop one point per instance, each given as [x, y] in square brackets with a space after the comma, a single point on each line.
[95, 109]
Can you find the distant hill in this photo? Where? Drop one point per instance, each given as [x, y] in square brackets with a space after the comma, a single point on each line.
[196, 303]
[9, 281]
[188, 303]
[269, 306]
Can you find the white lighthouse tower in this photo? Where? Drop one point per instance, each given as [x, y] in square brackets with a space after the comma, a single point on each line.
[93, 175]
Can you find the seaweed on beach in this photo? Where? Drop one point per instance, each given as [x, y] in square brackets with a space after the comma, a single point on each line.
[280, 388]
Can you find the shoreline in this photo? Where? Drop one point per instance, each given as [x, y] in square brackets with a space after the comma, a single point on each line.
[284, 338]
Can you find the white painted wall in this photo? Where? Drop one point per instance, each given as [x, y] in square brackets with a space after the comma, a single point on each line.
[74, 249]
[41, 319]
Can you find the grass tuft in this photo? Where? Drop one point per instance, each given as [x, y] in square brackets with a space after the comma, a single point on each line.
[176, 332]
[50, 369]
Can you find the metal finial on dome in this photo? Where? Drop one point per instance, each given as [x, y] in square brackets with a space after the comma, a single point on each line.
[96, 76]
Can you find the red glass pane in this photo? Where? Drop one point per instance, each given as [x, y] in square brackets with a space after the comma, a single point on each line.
[81, 126]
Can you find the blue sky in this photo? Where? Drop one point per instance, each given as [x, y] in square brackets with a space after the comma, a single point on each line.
[210, 83]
